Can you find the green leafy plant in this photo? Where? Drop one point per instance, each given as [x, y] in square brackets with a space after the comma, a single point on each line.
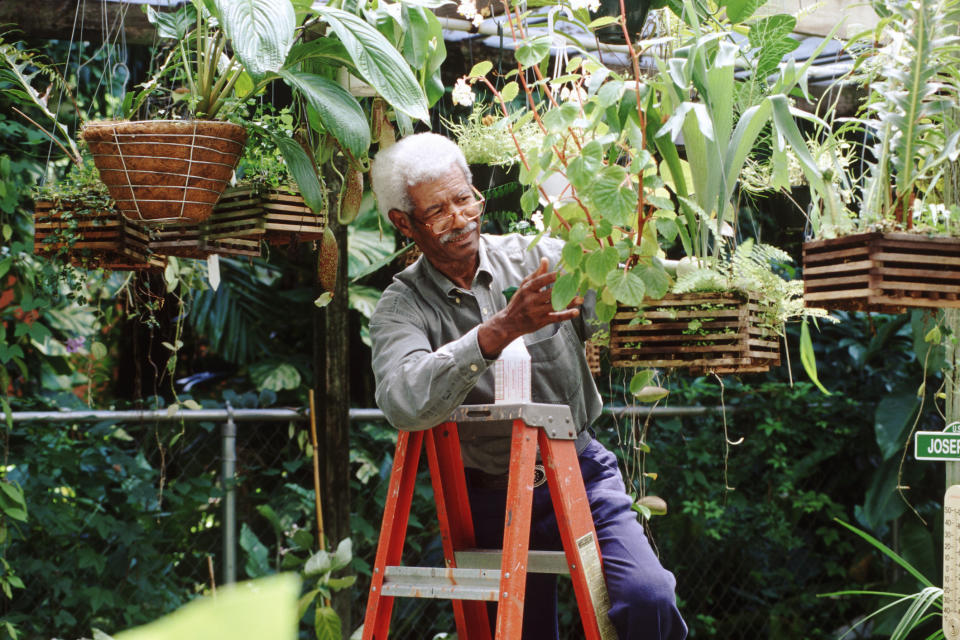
[262, 38]
[922, 606]
[486, 138]
[908, 125]
[750, 268]
[719, 120]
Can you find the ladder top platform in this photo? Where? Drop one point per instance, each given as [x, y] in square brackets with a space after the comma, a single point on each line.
[555, 419]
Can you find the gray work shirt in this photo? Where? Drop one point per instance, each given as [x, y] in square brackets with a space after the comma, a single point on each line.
[427, 361]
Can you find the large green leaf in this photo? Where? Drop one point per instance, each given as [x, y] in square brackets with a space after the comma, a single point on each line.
[339, 111]
[894, 420]
[265, 608]
[302, 169]
[615, 196]
[627, 286]
[260, 31]
[424, 49]
[173, 24]
[377, 61]
[327, 625]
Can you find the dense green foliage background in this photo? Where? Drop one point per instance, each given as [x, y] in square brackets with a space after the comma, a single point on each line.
[121, 518]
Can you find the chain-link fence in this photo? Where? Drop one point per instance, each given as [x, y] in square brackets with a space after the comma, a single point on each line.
[130, 519]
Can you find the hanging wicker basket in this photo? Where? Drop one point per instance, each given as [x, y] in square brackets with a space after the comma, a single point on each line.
[165, 170]
[91, 239]
[704, 332]
[883, 272]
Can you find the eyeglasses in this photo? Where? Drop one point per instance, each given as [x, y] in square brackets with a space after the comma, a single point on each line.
[468, 206]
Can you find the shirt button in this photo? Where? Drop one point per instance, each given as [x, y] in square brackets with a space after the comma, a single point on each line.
[485, 311]
[473, 367]
[457, 300]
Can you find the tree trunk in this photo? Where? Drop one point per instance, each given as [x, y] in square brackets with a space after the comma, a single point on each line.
[331, 359]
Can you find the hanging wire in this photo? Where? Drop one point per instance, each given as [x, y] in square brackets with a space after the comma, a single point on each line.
[66, 69]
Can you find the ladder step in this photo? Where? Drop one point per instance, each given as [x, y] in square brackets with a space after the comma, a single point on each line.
[441, 583]
[537, 561]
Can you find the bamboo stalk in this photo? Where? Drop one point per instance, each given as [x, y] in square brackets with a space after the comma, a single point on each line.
[316, 470]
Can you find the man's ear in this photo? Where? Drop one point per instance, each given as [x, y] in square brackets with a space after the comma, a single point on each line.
[400, 221]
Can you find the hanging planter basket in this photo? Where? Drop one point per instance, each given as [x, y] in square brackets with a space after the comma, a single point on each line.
[288, 218]
[91, 239]
[165, 170]
[276, 217]
[703, 332]
[199, 241]
[592, 350]
[884, 272]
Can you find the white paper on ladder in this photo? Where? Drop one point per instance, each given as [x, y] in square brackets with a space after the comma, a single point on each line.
[511, 374]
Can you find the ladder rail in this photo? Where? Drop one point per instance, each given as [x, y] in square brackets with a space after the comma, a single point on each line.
[456, 523]
[516, 530]
[393, 531]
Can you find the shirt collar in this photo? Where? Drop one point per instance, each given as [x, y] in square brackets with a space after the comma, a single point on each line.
[484, 273]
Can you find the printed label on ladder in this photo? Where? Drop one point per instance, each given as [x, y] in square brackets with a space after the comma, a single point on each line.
[590, 563]
[951, 563]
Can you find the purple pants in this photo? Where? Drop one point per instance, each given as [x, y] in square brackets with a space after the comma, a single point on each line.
[643, 604]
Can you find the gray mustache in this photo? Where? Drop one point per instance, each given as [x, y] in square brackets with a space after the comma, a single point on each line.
[452, 236]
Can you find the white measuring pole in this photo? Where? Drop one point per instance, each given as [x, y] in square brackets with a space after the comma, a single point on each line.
[951, 501]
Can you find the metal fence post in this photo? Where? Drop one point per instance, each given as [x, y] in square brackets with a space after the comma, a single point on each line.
[229, 498]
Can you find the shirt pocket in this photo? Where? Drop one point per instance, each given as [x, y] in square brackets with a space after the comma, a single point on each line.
[556, 369]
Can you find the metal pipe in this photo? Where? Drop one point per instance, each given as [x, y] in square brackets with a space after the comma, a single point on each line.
[285, 415]
[162, 415]
[229, 498]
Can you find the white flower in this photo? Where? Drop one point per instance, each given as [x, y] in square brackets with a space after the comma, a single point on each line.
[477, 20]
[468, 9]
[462, 93]
[575, 93]
[591, 5]
[537, 220]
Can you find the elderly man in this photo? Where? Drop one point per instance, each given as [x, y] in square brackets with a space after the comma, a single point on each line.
[436, 331]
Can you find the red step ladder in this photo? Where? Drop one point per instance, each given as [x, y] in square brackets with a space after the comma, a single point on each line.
[473, 576]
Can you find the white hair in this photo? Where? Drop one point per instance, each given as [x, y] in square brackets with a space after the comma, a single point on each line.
[415, 159]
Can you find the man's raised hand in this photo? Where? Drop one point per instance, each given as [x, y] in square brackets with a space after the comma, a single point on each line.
[528, 310]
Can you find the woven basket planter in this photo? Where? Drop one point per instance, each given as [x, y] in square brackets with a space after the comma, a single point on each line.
[165, 170]
[91, 239]
[885, 272]
[703, 332]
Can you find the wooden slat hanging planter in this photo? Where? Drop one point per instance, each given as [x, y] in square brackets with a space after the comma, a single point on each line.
[199, 241]
[703, 332]
[91, 239]
[884, 272]
[288, 219]
[278, 217]
[593, 357]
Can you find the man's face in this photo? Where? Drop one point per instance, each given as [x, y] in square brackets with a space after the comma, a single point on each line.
[433, 200]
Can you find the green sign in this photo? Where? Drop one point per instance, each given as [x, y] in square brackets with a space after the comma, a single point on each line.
[936, 445]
